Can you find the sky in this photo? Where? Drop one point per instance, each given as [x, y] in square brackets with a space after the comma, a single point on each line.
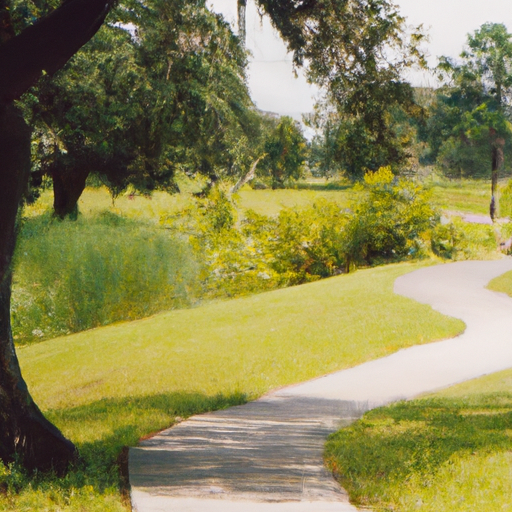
[271, 78]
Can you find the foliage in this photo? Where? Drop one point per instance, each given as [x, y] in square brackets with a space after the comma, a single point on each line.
[390, 221]
[459, 240]
[136, 105]
[470, 118]
[285, 153]
[439, 454]
[359, 117]
[74, 276]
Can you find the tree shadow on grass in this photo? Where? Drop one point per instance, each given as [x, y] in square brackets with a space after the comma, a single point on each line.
[101, 430]
[330, 185]
[391, 445]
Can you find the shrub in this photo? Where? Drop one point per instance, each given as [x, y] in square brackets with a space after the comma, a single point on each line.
[459, 240]
[390, 220]
[305, 245]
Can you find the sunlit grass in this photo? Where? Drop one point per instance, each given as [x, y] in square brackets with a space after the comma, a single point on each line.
[107, 387]
[502, 284]
[270, 202]
[447, 452]
[468, 196]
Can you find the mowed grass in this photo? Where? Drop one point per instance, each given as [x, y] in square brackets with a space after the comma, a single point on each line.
[502, 284]
[107, 387]
[467, 196]
[271, 202]
[447, 452]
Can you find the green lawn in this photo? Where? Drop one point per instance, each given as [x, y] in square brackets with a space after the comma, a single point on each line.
[502, 284]
[447, 452]
[108, 387]
[270, 202]
[467, 196]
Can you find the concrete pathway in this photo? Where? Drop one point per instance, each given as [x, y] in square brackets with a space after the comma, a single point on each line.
[266, 456]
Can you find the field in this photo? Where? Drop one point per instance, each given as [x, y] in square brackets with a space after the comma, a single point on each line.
[465, 196]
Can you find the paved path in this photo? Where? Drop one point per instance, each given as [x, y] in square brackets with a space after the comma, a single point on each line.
[266, 456]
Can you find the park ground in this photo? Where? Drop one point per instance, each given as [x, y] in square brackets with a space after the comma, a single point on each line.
[106, 388]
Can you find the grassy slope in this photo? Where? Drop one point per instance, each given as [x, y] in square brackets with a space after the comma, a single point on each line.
[447, 452]
[108, 387]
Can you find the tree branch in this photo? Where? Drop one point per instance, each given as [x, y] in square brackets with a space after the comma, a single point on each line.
[47, 45]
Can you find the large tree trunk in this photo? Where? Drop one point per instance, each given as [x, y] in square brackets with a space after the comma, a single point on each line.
[24, 432]
[68, 185]
[47, 45]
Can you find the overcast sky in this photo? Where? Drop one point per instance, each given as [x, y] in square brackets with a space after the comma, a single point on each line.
[271, 80]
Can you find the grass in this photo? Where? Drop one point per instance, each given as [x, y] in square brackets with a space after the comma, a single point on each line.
[502, 284]
[468, 196]
[446, 452]
[71, 276]
[107, 387]
[270, 202]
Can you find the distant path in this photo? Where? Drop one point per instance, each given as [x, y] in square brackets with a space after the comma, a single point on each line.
[266, 456]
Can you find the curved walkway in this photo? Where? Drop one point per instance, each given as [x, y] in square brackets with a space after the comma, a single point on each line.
[267, 455]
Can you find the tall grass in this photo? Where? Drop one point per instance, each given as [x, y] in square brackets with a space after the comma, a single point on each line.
[72, 276]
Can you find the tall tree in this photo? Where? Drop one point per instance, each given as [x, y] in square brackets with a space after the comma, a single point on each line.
[358, 51]
[45, 46]
[483, 79]
[134, 108]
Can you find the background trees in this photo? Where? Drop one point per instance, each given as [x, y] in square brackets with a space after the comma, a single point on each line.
[362, 77]
[285, 153]
[168, 92]
[469, 126]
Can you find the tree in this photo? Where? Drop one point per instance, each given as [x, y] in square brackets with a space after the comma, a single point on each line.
[483, 83]
[44, 46]
[357, 51]
[134, 108]
[285, 150]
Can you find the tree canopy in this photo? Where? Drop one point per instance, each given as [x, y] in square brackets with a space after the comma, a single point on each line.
[470, 122]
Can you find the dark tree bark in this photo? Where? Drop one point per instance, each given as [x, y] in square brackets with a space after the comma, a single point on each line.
[497, 144]
[68, 185]
[47, 45]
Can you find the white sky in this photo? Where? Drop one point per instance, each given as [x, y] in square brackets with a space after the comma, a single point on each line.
[271, 79]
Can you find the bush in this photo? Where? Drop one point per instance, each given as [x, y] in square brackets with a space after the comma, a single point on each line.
[71, 276]
[459, 240]
[304, 245]
[390, 221]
